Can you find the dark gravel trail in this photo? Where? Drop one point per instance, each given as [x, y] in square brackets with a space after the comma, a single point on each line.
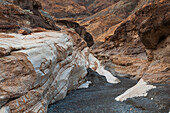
[100, 98]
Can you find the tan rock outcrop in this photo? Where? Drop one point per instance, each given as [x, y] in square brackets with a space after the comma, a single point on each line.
[103, 23]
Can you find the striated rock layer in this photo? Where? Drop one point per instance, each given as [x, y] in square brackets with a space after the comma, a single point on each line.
[103, 23]
[78, 29]
[140, 48]
[75, 8]
[24, 14]
[38, 69]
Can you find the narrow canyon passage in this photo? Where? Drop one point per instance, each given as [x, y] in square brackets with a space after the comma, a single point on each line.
[98, 98]
[84, 56]
[101, 99]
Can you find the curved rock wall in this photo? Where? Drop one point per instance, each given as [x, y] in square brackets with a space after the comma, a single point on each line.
[40, 68]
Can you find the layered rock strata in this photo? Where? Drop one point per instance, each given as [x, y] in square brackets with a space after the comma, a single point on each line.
[136, 50]
[81, 30]
[13, 17]
[38, 69]
[139, 48]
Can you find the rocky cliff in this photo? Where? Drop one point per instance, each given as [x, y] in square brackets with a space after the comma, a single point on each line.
[139, 49]
[81, 30]
[39, 66]
[75, 8]
[103, 23]
[142, 44]
[24, 14]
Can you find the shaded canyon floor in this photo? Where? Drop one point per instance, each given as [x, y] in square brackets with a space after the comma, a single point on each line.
[100, 98]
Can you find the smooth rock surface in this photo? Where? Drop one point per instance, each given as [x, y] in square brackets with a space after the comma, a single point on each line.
[38, 69]
[140, 89]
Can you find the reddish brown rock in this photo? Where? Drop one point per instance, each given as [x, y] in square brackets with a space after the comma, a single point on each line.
[140, 45]
[13, 17]
[38, 29]
[103, 23]
[75, 8]
[153, 24]
[78, 29]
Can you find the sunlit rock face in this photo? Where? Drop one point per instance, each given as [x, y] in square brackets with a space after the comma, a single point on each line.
[75, 8]
[40, 68]
[140, 49]
[104, 22]
[140, 45]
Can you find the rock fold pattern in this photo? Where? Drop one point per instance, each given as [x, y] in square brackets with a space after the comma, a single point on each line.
[38, 69]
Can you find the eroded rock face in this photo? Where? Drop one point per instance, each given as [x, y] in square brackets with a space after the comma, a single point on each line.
[38, 69]
[13, 17]
[103, 23]
[28, 4]
[75, 8]
[78, 29]
[153, 24]
[137, 48]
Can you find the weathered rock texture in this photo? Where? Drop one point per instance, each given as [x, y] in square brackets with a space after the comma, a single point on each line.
[75, 8]
[13, 17]
[103, 23]
[139, 48]
[78, 29]
[140, 45]
[38, 69]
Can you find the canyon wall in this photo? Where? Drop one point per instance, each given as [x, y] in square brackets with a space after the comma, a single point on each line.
[38, 69]
[139, 49]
